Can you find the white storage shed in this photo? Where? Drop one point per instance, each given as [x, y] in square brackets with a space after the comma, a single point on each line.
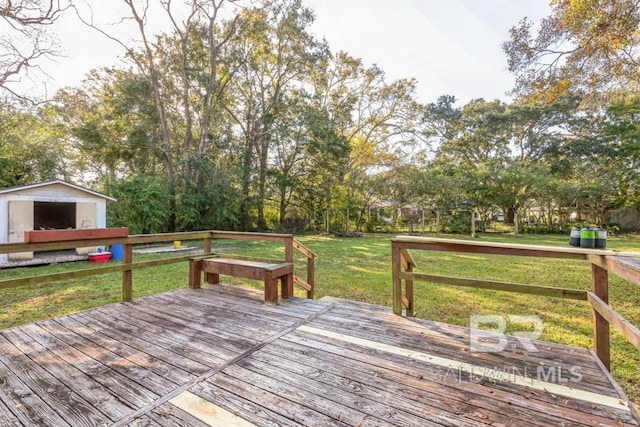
[46, 206]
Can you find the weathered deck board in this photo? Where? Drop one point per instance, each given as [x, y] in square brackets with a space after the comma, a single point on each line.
[254, 407]
[376, 359]
[526, 363]
[301, 362]
[58, 341]
[142, 368]
[487, 393]
[300, 413]
[7, 418]
[168, 415]
[24, 377]
[426, 393]
[355, 394]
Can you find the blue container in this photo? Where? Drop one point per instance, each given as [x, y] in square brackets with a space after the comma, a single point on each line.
[117, 252]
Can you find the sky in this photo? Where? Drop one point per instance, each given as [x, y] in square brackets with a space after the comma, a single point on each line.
[450, 46]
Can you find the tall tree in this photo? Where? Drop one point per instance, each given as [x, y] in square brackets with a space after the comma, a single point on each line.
[114, 123]
[33, 147]
[378, 119]
[588, 46]
[186, 84]
[481, 135]
[27, 39]
[274, 53]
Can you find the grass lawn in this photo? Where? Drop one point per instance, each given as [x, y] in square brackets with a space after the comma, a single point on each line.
[360, 269]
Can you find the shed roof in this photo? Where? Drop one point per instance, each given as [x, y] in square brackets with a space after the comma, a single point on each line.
[57, 181]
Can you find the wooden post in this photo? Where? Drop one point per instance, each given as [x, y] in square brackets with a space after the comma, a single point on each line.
[437, 221]
[409, 291]
[206, 245]
[195, 273]
[288, 249]
[286, 286]
[210, 278]
[396, 265]
[127, 275]
[600, 287]
[311, 276]
[270, 288]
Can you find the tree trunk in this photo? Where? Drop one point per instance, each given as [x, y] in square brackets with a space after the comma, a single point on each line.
[283, 206]
[263, 152]
[262, 190]
[245, 187]
[509, 215]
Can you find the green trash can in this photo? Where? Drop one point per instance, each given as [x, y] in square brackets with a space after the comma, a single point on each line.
[588, 238]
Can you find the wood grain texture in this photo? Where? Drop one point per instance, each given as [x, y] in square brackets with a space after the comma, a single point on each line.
[124, 364]
[44, 236]
[168, 415]
[62, 402]
[45, 278]
[499, 248]
[626, 267]
[601, 333]
[630, 332]
[495, 285]
[207, 412]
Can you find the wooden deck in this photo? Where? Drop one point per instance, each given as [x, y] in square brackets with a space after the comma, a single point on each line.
[219, 356]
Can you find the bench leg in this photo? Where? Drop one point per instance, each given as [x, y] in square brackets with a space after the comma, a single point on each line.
[212, 278]
[286, 285]
[270, 289]
[195, 273]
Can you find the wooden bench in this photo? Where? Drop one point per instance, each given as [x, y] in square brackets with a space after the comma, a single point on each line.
[267, 270]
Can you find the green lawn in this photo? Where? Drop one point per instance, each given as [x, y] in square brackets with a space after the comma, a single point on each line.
[360, 269]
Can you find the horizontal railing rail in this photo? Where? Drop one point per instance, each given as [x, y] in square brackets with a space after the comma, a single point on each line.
[136, 239]
[127, 266]
[623, 264]
[88, 272]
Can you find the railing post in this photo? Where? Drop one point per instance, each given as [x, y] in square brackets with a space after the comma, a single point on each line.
[287, 285]
[396, 265]
[408, 291]
[127, 275]
[600, 287]
[206, 245]
[311, 276]
[288, 249]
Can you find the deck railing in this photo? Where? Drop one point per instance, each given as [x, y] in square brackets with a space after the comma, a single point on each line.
[127, 266]
[290, 244]
[624, 265]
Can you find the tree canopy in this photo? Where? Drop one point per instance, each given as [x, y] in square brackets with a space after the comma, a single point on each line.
[236, 116]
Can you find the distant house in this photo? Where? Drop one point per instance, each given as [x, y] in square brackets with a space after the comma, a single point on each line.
[45, 206]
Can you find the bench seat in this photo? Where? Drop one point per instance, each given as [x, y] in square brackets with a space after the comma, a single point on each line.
[269, 272]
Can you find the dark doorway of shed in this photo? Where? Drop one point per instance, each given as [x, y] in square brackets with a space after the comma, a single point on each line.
[54, 215]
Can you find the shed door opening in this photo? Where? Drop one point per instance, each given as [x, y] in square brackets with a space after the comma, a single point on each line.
[54, 215]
